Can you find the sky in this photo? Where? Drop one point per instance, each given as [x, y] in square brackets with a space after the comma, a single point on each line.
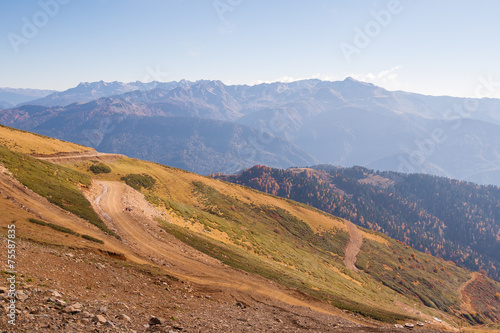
[447, 47]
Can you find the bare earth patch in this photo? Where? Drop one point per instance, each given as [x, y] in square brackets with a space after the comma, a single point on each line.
[353, 247]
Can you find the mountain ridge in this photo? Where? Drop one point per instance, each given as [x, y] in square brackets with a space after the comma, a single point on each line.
[448, 218]
[344, 122]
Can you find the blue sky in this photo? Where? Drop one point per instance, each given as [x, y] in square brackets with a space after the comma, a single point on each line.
[431, 47]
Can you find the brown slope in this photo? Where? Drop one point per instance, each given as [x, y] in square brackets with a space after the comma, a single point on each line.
[353, 247]
[36, 206]
[146, 238]
[141, 245]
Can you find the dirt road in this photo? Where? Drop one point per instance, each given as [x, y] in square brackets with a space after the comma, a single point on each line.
[41, 208]
[79, 157]
[353, 246]
[148, 240]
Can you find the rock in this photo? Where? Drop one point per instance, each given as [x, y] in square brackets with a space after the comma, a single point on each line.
[74, 308]
[124, 305]
[409, 326]
[157, 321]
[86, 314]
[55, 293]
[3, 290]
[99, 319]
[57, 301]
[71, 255]
[103, 309]
[21, 295]
[241, 305]
[122, 316]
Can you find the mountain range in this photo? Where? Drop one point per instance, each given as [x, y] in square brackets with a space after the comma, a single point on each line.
[279, 124]
[10, 97]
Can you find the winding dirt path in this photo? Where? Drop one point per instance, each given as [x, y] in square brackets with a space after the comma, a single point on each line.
[466, 303]
[353, 246]
[149, 241]
[41, 208]
[78, 157]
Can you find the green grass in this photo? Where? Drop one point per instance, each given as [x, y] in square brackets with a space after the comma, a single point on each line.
[60, 185]
[283, 248]
[100, 168]
[61, 229]
[274, 238]
[92, 239]
[241, 259]
[36, 221]
[64, 230]
[413, 273]
[53, 226]
[137, 181]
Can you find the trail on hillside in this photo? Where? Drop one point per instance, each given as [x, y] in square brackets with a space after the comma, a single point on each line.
[138, 229]
[79, 157]
[353, 246]
[41, 208]
[466, 303]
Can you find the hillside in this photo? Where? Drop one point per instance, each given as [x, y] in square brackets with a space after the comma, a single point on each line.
[257, 256]
[311, 121]
[451, 219]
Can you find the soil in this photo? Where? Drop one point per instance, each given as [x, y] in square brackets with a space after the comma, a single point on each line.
[353, 246]
[72, 157]
[148, 282]
[466, 302]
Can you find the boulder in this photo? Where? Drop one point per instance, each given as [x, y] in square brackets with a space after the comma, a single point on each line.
[73, 308]
[156, 321]
[99, 319]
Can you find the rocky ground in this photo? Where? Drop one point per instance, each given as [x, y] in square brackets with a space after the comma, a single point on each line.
[75, 290]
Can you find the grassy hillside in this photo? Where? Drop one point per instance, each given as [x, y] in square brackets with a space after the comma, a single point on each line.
[297, 245]
[30, 143]
[452, 219]
[287, 242]
[60, 185]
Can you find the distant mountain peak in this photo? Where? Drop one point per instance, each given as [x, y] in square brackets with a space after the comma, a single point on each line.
[353, 81]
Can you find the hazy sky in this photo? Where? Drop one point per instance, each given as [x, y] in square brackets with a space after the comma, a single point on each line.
[431, 47]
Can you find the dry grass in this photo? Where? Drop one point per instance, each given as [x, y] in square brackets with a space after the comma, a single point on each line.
[246, 233]
[30, 143]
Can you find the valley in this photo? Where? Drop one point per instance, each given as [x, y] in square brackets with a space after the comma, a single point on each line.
[432, 214]
[216, 248]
